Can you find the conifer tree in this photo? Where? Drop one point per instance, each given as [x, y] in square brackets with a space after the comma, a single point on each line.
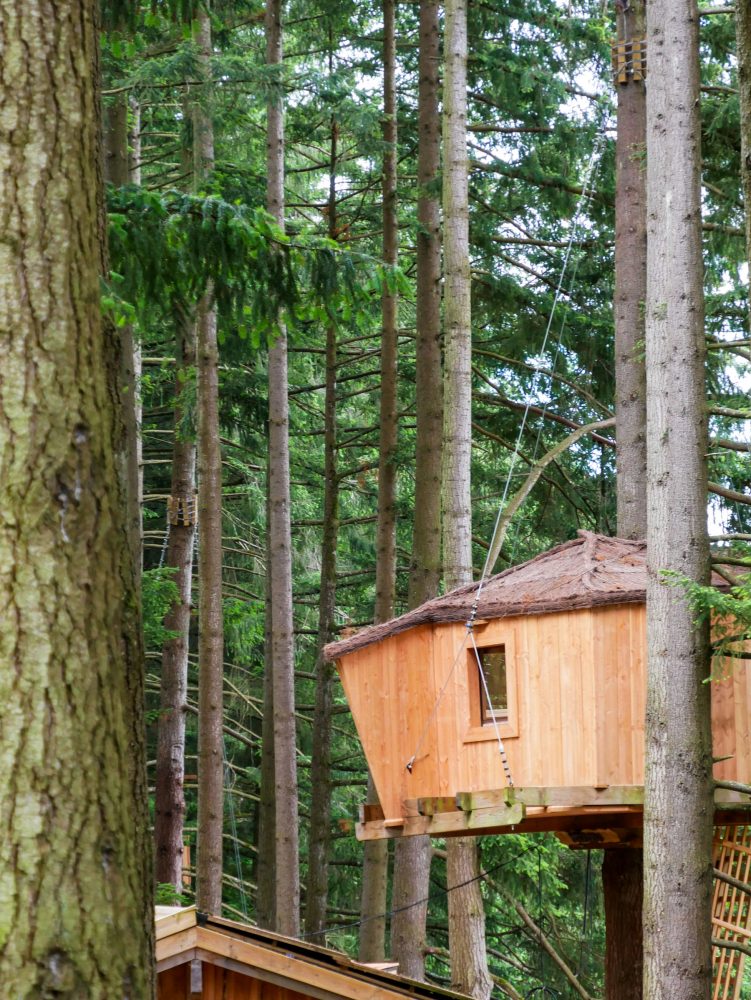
[678, 789]
[75, 907]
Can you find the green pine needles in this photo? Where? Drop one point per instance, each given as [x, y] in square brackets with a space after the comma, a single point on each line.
[168, 248]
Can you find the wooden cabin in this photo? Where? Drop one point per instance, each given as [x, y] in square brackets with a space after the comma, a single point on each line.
[561, 641]
[214, 959]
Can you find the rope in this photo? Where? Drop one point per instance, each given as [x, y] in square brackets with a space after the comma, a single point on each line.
[420, 902]
[585, 195]
[501, 750]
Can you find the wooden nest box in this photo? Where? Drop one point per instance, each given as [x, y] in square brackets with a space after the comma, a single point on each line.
[562, 644]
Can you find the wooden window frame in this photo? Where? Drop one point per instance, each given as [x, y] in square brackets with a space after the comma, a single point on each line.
[508, 727]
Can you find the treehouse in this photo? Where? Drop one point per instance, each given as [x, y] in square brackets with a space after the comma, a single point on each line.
[530, 719]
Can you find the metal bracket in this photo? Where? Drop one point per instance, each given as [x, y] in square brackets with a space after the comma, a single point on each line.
[629, 60]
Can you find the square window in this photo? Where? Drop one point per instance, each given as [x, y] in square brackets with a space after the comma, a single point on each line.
[494, 689]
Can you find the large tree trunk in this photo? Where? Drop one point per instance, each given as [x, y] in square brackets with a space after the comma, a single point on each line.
[75, 908]
[469, 968]
[169, 798]
[412, 855]
[210, 615]
[743, 45]
[375, 853]
[622, 870]
[678, 806]
[287, 873]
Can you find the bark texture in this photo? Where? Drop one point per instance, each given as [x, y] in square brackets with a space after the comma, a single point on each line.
[117, 171]
[320, 765]
[469, 968]
[622, 869]
[287, 875]
[678, 805]
[631, 288]
[375, 853]
[210, 616]
[457, 414]
[412, 855]
[743, 46]
[75, 871]
[622, 872]
[169, 798]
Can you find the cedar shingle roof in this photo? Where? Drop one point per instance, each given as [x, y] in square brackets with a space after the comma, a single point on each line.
[589, 571]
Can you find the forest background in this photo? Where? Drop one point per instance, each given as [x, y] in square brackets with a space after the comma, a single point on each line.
[187, 99]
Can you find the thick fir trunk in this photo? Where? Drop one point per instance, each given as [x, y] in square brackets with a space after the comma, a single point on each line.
[169, 798]
[75, 860]
[622, 870]
[743, 45]
[287, 874]
[678, 805]
[210, 618]
[375, 853]
[316, 896]
[412, 855]
[469, 969]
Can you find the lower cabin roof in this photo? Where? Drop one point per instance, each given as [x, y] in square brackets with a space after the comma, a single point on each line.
[183, 935]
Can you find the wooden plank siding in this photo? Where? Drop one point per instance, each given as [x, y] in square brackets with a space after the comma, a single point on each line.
[577, 688]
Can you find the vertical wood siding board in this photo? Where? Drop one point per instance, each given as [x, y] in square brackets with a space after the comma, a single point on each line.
[625, 722]
[567, 712]
[638, 639]
[453, 645]
[610, 722]
[413, 672]
[723, 724]
[460, 721]
[389, 711]
[518, 669]
[529, 703]
[601, 696]
[449, 645]
[540, 734]
[555, 661]
[742, 691]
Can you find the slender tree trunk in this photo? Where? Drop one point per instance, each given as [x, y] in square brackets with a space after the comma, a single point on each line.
[169, 799]
[743, 45]
[287, 868]
[631, 287]
[75, 911]
[469, 969]
[320, 766]
[266, 898]
[678, 805]
[622, 870]
[412, 855]
[375, 853]
[210, 619]
[118, 173]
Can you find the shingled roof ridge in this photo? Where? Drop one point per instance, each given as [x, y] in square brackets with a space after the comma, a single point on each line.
[448, 607]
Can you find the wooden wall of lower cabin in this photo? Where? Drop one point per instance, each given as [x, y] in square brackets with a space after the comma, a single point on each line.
[220, 984]
[225, 984]
[576, 716]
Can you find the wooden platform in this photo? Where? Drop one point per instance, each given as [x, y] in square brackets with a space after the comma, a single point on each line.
[583, 816]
